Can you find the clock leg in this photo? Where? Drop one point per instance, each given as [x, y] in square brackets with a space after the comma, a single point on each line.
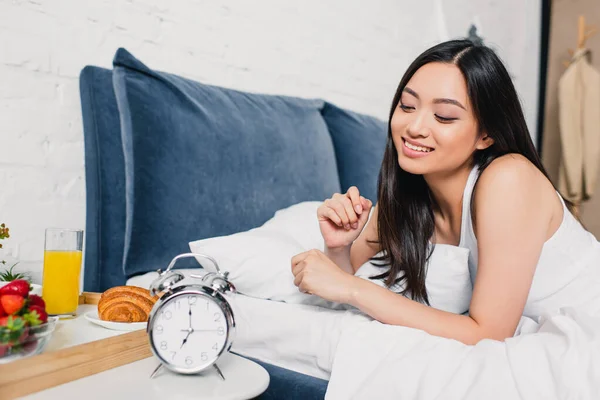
[156, 371]
[219, 371]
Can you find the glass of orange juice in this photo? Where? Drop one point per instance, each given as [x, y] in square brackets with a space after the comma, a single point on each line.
[62, 270]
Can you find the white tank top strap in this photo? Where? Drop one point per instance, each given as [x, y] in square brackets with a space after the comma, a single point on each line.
[466, 222]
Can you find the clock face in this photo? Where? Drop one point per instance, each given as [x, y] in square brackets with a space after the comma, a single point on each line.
[189, 332]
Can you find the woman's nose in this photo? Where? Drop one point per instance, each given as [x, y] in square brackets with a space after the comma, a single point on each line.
[418, 126]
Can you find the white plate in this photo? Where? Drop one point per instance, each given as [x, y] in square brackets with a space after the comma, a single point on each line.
[92, 316]
[36, 289]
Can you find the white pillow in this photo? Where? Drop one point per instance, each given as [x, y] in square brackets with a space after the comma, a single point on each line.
[259, 262]
[299, 222]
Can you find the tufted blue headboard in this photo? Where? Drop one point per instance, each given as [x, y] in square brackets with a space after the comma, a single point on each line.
[105, 181]
[169, 160]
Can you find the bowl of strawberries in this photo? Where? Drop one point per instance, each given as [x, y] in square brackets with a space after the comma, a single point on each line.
[25, 328]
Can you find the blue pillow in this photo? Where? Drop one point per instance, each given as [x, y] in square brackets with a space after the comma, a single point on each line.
[359, 142]
[204, 161]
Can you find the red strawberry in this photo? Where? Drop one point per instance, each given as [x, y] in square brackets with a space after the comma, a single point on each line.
[19, 287]
[30, 344]
[2, 312]
[41, 314]
[12, 303]
[35, 300]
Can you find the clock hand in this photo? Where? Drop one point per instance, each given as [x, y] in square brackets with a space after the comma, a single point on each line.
[190, 329]
[199, 330]
[186, 338]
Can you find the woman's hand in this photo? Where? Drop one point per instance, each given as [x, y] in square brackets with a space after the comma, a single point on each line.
[317, 274]
[343, 217]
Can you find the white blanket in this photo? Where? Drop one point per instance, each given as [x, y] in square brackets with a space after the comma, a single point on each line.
[557, 357]
[558, 360]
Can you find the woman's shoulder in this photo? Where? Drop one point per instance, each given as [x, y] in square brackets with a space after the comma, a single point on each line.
[512, 171]
[517, 180]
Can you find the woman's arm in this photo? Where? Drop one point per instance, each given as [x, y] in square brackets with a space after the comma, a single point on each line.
[367, 244]
[513, 207]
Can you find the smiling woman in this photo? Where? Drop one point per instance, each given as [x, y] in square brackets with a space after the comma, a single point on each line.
[460, 169]
[435, 112]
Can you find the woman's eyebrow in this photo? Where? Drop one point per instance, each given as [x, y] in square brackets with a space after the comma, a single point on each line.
[410, 91]
[449, 101]
[436, 101]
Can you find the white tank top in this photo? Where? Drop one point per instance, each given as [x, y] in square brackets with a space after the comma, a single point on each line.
[568, 270]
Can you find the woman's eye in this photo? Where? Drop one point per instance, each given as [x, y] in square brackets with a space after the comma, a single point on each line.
[406, 108]
[444, 119]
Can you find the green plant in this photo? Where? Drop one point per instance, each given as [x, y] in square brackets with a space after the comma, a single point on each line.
[9, 275]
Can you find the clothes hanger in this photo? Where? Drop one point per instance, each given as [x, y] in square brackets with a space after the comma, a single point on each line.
[583, 34]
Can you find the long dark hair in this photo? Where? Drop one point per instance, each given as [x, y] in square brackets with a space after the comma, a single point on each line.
[405, 218]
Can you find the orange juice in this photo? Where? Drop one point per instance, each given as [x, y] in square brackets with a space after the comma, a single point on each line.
[60, 285]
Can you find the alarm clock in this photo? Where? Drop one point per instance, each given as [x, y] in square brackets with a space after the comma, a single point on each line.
[190, 325]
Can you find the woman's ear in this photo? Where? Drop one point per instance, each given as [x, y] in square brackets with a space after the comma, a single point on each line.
[484, 142]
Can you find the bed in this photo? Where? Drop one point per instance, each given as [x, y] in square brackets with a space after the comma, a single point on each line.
[170, 161]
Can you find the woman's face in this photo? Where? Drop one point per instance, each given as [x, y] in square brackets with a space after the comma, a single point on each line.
[433, 127]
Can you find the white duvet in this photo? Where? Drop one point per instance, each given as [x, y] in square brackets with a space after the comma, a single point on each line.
[557, 357]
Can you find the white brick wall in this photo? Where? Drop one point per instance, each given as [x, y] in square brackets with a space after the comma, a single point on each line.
[350, 52]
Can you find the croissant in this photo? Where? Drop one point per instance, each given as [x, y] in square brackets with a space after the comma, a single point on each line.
[126, 304]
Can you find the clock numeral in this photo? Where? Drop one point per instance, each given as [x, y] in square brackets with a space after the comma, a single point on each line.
[178, 305]
[163, 345]
[203, 356]
[189, 360]
[217, 316]
[221, 331]
[159, 329]
[167, 314]
[216, 347]
[192, 300]
[207, 304]
[173, 354]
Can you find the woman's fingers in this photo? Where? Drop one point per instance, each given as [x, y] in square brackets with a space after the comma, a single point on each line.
[349, 208]
[330, 214]
[354, 197]
[337, 204]
[297, 261]
[352, 216]
[335, 214]
[298, 279]
[300, 284]
[366, 203]
[345, 210]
